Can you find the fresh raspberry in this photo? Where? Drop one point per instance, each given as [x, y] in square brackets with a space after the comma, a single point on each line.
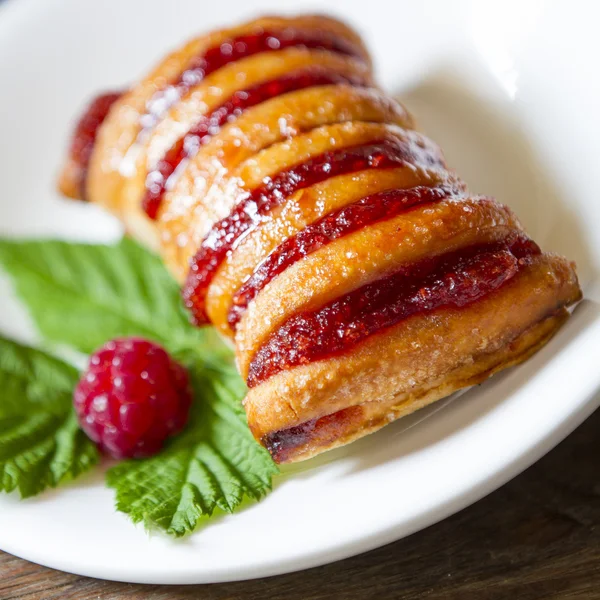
[132, 398]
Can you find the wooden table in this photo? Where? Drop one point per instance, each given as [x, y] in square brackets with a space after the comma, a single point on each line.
[536, 538]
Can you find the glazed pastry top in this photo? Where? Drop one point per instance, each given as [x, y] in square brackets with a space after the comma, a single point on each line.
[310, 223]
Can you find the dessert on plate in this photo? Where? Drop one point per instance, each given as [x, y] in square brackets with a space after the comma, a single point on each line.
[311, 223]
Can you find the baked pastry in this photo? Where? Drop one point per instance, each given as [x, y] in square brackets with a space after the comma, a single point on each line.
[309, 222]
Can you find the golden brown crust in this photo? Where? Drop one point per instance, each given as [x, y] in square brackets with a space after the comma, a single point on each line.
[120, 131]
[69, 178]
[209, 95]
[415, 352]
[209, 187]
[391, 373]
[373, 415]
[308, 205]
[367, 255]
[302, 209]
[223, 83]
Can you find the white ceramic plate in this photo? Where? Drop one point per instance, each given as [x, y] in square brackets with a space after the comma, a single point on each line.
[511, 92]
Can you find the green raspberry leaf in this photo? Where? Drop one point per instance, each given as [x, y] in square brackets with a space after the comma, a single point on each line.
[213, 464]
[83, 295]
[41, 444]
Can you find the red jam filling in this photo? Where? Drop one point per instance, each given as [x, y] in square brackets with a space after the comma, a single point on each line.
[235, 49]
[84, 136]
[161, 177]
[377, 207]
[452, 280]
[318, 432]
[254, 206]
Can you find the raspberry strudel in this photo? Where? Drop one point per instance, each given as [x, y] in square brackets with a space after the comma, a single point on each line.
[310, 222]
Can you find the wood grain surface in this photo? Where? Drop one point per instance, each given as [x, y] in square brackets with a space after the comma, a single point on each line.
[538, 537]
